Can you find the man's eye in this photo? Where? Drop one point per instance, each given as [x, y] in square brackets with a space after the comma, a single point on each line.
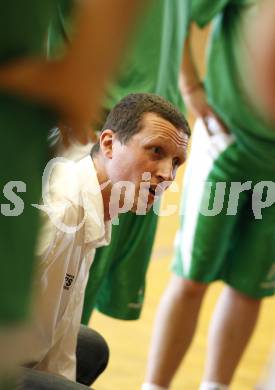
[156, 150]
[176, 162]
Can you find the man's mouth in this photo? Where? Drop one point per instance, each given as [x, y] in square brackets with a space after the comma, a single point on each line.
[156, 191]
[152, 191]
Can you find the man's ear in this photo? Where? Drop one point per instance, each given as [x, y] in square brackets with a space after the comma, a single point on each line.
[106, 143]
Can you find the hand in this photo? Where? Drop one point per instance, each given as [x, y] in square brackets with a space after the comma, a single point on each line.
[68, 138]
[196, 101]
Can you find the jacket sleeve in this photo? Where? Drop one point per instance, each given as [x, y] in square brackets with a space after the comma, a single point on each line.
[61, 357]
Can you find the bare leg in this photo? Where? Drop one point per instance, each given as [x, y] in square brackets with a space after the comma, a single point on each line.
[231, 327]
[174, 327]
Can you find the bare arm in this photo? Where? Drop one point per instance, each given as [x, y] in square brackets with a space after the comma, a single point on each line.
[75, 84]
[262, 42]
[192, 88]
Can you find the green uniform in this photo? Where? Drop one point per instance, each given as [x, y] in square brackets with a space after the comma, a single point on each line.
[23, 153]
[151, 64]
[231, 243]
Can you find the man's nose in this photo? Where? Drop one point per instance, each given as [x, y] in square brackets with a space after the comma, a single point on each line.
[166, 171]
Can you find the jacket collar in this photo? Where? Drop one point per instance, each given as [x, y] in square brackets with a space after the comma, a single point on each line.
[97, 231]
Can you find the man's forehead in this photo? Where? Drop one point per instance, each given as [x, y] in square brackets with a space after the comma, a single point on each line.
[155, 128]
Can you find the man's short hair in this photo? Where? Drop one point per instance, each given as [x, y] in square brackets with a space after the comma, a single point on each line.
[125, 119]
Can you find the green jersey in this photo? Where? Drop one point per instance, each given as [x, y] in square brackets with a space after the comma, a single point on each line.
[227, 81]
[152, 60]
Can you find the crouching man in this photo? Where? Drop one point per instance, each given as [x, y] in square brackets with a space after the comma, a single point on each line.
[141, 146]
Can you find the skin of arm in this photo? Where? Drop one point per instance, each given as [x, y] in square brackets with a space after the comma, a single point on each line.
[74, 85]
[193, 91]
[262, 43]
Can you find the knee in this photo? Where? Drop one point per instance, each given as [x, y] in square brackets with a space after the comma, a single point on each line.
[240, 298]
[92, 354]
[101, 347]
[186, 288]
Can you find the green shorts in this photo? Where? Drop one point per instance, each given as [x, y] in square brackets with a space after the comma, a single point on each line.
[116, 284]
[227, 228]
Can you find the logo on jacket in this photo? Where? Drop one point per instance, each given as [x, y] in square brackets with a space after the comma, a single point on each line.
[68, 281]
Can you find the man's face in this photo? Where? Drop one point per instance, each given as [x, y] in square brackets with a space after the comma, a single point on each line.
[148, 160]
